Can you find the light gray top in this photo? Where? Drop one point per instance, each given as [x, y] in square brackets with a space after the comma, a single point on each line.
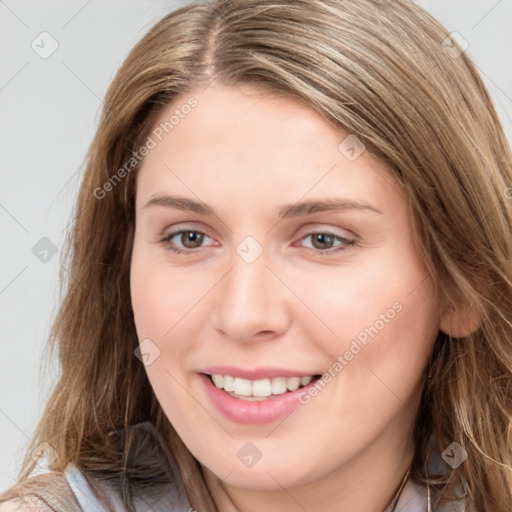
[174, 499]
[412, 499]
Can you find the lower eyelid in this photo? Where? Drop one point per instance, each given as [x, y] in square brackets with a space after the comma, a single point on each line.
[345, 245]
[334, 235]
[167, 238]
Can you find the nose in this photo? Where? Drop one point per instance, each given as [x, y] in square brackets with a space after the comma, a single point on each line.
[251, 302]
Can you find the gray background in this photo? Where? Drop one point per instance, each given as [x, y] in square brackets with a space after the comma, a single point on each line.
[49, 110]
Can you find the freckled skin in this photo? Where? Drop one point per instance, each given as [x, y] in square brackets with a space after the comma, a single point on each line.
[246, 154]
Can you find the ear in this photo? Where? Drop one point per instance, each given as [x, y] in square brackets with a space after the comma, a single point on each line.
[459, 321]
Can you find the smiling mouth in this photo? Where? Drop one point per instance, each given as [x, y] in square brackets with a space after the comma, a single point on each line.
[261, 389]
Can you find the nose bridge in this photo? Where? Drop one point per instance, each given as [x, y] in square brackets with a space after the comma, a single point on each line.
[250, 301]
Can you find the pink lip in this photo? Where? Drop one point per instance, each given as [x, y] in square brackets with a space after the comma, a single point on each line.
[255, 373]
[253, 412]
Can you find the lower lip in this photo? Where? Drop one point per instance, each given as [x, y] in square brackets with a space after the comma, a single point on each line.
[258, 412]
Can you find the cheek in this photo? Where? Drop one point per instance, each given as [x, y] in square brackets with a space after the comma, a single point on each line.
[349, 299]
[385, 321]
[161, 296]
[149, 301]
[381, 298]
[161, 302]
[381, 315]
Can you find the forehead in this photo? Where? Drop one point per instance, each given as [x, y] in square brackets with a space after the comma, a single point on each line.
[245, 140]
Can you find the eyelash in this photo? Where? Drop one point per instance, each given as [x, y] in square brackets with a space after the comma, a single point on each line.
[348, 242]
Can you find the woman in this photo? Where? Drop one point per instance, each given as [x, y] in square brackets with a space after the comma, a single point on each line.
[291, 279]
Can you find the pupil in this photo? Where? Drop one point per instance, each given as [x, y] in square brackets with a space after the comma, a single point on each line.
[191, 237]
[324, 238]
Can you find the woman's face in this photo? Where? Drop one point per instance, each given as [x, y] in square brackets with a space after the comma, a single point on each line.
[271, 285]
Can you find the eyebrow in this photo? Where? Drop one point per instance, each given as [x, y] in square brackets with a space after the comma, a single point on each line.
[287, 211]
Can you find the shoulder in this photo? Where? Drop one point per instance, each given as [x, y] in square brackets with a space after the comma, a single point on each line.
[74, 491]
[27, 504]
[43, 492]
[413, 498]
[416, 497]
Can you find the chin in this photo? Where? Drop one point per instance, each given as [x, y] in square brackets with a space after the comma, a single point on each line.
[267, 476]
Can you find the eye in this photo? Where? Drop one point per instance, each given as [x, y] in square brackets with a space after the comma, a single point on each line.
[190, 240]
[323, 242]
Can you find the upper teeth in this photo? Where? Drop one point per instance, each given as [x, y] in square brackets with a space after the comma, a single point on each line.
[261, 387]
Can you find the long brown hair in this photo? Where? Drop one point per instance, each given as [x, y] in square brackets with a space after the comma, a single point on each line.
[378, 69]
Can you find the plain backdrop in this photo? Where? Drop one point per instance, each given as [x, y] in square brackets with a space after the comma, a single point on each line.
[49, 108]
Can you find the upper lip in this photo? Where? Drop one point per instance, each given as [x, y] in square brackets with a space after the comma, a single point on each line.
[255, 373]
